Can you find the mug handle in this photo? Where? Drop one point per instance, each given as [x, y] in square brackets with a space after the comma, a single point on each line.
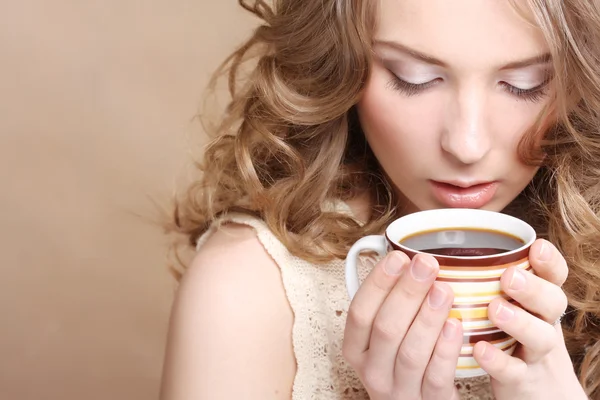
[377, 243]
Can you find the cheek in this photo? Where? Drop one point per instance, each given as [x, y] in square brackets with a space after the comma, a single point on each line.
[392, 121]
[515, 119]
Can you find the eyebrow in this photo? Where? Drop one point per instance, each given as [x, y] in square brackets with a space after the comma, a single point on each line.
[535, 60]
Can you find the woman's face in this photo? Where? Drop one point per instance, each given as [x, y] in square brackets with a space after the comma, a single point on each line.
[453, 89]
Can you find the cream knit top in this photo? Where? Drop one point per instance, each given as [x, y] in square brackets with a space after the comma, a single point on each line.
[319, 300]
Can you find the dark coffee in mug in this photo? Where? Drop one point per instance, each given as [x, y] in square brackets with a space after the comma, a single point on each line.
[462, 242]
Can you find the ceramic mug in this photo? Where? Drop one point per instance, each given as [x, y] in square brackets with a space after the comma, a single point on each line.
[475, 279]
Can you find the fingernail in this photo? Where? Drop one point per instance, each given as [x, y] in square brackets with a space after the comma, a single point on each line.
[544, 251]
[449, 329]
[504, 313]
[517, 282]
[486, 354]
[421, 269]
[437, 297]
[393, 265]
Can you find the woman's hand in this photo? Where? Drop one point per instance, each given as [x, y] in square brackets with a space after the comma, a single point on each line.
[540, 367]
[397, 336]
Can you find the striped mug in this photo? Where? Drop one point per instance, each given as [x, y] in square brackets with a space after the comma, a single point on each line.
[473, 248]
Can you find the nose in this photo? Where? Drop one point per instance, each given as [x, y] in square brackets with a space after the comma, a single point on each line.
[466, 136]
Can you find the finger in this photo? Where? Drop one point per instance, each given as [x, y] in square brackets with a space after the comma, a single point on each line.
[399, 310]
[537, 337]
[534, 294]
[548, 263]
[367, 301]
[418, 344]
[501, 366]
[438, 381]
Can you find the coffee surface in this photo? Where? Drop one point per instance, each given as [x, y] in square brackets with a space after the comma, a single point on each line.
[463, 242]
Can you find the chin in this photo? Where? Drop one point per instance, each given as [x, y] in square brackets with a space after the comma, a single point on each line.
[496, 205]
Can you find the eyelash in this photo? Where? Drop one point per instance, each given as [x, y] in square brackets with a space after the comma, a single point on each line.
[534, 94]
[410, 89]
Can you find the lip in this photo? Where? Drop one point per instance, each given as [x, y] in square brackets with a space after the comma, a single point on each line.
[461, 194]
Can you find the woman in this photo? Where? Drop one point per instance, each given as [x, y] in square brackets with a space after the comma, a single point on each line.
[357, 112]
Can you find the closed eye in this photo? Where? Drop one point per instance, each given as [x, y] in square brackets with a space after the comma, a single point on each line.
[411, 89]
[534, 94]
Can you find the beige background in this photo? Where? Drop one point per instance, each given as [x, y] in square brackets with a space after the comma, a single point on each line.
[96, 107]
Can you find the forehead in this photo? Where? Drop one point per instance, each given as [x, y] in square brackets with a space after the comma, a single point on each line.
[473, 33]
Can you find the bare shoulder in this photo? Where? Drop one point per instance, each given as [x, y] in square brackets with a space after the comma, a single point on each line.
[231, 324]
[229, 254]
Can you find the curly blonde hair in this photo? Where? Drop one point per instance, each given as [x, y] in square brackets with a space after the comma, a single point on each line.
[289, 141]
